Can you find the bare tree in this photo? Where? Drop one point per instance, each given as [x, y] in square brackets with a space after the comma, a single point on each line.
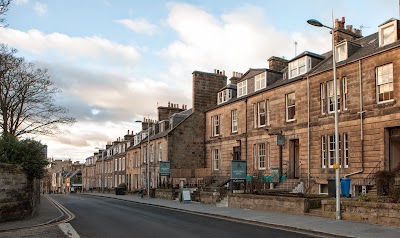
[4, 6]
[27, 98]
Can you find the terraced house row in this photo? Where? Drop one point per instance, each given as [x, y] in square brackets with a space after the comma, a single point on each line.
[291, 101]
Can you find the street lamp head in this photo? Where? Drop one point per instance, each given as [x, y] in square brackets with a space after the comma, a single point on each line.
[314, 22]
[138, 121]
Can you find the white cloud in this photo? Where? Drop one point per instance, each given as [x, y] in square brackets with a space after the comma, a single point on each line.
[235, 41]
[69, 48]
[21, 2]
[40, 8]
[139, 26]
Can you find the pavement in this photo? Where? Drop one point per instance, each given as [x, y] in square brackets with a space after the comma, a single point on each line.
[45, 213]
[317, 225]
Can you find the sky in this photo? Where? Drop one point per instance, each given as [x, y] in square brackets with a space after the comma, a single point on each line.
[117, 61]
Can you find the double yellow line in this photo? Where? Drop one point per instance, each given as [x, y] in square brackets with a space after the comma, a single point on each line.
[56, 221]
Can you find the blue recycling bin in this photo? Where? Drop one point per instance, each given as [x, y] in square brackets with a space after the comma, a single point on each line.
[345, 184]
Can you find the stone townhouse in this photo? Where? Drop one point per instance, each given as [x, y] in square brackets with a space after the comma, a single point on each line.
[295, 99]
[88, 173]
[368, 72]
[245, 125]
[119, 159]
[134, 164]
[178, 137]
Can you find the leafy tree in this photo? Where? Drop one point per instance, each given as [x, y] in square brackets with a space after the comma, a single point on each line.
[4, 6]
[27, 152]
[26, 98]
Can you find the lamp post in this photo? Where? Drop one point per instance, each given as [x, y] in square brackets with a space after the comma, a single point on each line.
[148, 155]
[102, 168]
[337, 162]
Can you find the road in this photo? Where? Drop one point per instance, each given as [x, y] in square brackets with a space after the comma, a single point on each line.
[97, 217]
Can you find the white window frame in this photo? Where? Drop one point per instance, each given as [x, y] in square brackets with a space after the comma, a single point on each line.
[290, 107]
[123, 163]
[242, 88]
[260, 81]
[323, 152]
[261, 113]
[384, 80]
[151, 153]
[344, 92]
[216, 125]
[220, 97]
[268, 112]
[234, 121]
[331, 96]
[159, 151]
[144, 154]
[382, 31]
[116, 165]
[331, 151]
[341, 52]
[135, 156]
[215, 159]
[299, 66]
[323, 97]
[346, 150]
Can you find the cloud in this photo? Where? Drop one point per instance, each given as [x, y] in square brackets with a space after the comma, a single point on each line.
[139, 26]
[40, 8]
[234, 41]
[21, 2]
[93, 48]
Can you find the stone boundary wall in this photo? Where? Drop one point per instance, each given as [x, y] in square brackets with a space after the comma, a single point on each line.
[19, 195]
[209, 197]
[371, 212]
[167, 194]
[292, 205]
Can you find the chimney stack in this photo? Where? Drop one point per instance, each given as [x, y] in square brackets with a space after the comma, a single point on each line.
[345, 33]
[277, 63]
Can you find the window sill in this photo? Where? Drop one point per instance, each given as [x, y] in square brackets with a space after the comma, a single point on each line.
[234, 133]
[385, 103]
[291, 121]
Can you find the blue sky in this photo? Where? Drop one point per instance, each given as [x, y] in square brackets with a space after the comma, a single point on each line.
[115, 61]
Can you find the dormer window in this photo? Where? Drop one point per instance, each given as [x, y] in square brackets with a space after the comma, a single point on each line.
[242, 88]
[224, 96]
[341, 51]
[261, 81]
[299, 66]
[388, 33]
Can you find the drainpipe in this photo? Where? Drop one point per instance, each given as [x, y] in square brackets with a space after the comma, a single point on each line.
[361, 124]
[308, 130]
[246, 135]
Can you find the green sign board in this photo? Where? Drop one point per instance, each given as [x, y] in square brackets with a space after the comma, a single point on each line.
[165, 168]
[280, 139]
[238, 170]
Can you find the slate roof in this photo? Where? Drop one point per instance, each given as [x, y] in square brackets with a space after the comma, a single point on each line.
[185, 113]
[369, 46]
[307, 53]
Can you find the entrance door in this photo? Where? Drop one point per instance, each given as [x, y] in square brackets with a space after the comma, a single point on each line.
[394, 147]
[294, 159]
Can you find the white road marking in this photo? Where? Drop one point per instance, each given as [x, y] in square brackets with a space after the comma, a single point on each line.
[68, 230]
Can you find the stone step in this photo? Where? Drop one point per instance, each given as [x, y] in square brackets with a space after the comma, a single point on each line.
[315, 212]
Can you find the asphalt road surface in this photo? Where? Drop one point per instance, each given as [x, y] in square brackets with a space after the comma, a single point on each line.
[97, 217]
